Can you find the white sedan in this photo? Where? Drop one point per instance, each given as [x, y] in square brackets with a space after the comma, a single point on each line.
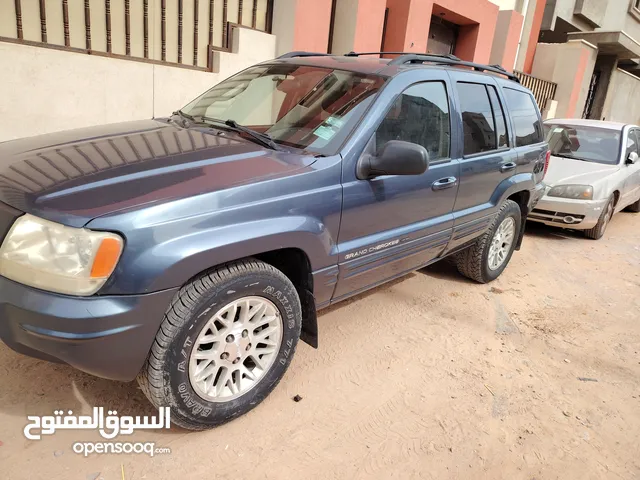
[593, 173]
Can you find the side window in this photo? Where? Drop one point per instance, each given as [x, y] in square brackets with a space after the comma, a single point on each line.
[526, 121]
[501, 121]
[477, 118]
[419, 115]
[632, 142]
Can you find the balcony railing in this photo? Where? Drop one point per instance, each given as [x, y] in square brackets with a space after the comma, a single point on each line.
[542, 89]
[181, 33]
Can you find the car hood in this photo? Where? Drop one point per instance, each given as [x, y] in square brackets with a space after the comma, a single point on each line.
[74, 176]
[564, 171]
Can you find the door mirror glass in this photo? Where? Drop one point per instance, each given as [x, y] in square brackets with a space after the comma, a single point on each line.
[395, 158]
[632, 158]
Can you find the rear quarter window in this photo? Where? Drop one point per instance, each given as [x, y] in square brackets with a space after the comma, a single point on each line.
[526, 120]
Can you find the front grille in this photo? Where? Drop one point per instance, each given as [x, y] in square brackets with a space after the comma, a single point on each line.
[7, 216]
[556, 217]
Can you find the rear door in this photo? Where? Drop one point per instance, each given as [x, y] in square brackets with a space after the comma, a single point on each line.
[394, 224]
[529, 138]
[487, 157]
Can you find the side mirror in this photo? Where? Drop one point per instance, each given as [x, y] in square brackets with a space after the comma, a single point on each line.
[632, 158]
[395, 158]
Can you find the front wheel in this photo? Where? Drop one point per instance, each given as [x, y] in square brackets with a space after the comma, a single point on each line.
[597, 232]
[486, 259]
[225, 343]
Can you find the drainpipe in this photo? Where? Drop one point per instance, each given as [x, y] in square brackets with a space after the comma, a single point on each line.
[525, 13]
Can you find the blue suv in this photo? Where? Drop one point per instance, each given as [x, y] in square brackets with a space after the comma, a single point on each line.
[193, 252]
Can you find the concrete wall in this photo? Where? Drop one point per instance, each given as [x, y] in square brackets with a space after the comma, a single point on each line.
[505, 39]
[48, 90]
[622, 103]
[570, 65]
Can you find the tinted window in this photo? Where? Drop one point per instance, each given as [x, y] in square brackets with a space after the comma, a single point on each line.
[501, 121]
[477, 118]
[527, 124]
[420, 115]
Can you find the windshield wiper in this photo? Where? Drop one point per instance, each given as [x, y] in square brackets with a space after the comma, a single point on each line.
[263, 138]
[570, 157]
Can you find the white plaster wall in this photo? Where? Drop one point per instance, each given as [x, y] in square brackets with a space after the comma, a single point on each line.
[622, 103]
[48, 90]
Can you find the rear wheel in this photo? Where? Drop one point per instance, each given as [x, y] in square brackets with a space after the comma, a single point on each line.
[597, 232]
[486, 259]
[224, 344]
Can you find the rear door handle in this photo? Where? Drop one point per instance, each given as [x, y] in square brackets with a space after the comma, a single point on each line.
[508, 167]
[444, 183]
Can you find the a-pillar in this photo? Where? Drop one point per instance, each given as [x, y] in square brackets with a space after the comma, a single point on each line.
[301, 25]
[358, 26]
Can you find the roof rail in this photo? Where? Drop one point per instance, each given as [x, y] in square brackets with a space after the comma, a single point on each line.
[359, 54]
[303, 54]
[443, 60]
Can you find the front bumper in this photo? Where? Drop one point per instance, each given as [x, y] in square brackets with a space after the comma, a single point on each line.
[568, 213]
[107, 336]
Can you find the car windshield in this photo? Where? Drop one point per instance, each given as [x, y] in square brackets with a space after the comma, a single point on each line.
[306, 107]
[590, 144]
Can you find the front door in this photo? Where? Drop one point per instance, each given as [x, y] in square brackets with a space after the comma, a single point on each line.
[631, 188]
[394, 224]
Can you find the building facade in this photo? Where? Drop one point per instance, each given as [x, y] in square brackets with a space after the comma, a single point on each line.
[591, 49]
[73, 63]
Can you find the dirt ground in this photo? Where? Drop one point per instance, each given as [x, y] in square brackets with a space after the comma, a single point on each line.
[430, 376]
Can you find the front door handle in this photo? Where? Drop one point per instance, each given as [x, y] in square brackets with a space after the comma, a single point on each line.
[444, 183]
[507, 167]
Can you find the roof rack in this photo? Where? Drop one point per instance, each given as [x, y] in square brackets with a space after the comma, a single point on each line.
[407, 58]
[304, 54]
[359, 54]
[445, 60]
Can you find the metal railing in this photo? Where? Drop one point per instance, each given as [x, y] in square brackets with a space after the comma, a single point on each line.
[180, 33]
[542, 89]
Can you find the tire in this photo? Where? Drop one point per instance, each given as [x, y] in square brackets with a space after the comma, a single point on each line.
[473, 262]
[634, 207]
[597, 232]
[170, 375]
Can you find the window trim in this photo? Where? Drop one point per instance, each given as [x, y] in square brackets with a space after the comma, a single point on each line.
[493, 115]
[390, 106]
[504, 116]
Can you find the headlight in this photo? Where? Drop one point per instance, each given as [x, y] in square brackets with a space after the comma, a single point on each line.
[577, 192]
[60, 259]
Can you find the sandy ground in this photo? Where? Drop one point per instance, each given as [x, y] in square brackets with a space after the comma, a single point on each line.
[431, 376]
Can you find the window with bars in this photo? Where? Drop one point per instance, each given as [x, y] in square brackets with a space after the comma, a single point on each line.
[176, 32]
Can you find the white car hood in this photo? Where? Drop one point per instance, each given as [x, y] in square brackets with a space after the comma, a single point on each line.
[564, 171]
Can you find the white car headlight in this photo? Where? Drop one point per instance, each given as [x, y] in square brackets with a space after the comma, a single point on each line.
[56, 258]
[577, 192]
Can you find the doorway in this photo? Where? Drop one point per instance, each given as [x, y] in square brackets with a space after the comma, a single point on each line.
[443, 36]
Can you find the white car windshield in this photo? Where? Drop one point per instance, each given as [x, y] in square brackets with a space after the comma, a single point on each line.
[589, 144]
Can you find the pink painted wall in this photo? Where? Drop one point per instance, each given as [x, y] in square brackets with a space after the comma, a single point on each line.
[408, 25]
[311, 21]
[533, 35]
[369, 25]
[511, 44]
